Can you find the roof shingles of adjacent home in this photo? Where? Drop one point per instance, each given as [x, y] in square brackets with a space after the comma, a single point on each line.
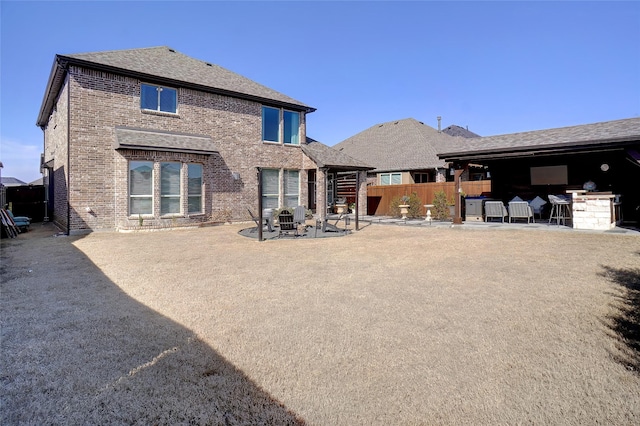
[325, 156]
[165, 65]
[563, 138]
[399, 145]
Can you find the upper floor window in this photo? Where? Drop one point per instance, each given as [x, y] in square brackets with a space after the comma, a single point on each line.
[280, 125]
[158, 98]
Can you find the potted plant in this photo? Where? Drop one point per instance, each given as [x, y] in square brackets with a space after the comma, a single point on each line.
[404, 207]
[407, 206]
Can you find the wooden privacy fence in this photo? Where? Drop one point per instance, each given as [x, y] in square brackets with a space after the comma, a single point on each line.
[379, 197]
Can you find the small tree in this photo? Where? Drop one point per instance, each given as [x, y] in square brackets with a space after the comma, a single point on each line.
[441, 206]
[412, 200]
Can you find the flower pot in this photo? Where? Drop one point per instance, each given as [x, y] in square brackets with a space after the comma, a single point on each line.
[404, 209]
[341, 208]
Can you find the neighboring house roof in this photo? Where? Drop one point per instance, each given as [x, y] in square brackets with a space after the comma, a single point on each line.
[564, 139]
[164, 65]
[39, 181]
[325, 156]
[11, 181]
[455, 130]
[398, 145]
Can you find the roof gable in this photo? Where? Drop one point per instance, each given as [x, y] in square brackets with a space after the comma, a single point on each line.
[325, 156]
[398, 145]
[167, 66]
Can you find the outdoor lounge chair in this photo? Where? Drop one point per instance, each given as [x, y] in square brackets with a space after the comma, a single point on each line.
[287, 225]
[267, 218]
[520, 210]
[537, 204]
[299, 215]
[495, 209]
[21, 222]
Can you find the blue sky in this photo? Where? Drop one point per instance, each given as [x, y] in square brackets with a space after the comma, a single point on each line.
[496, 67]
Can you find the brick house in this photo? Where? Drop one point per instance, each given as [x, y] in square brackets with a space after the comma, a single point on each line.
[156, 137]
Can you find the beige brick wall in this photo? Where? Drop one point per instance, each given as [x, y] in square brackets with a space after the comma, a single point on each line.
[101, 101]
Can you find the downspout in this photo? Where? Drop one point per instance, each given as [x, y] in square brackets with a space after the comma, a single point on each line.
[68, 152]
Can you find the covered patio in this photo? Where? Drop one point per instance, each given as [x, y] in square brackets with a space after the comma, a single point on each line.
[594, 159]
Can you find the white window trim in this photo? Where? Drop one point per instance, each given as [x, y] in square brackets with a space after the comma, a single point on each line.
[129, 196]
[158, 111]
[180, 196]
[201, 212]
[390, 178]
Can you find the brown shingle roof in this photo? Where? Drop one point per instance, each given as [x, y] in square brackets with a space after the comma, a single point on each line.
[559, 139]
[325, 156]
[398, 145]
[166, 66]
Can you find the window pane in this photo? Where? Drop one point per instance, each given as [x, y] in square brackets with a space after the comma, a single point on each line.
[195, 204]
[169, 205]
[291, 127]
[194, 185]
[385, 179]
[140, 178]
[396, 178]
[270, 181]
[148, 97]
[141, 205]
[270, 124]
[291, 185]
[168, 100]
[270, 188]
[169, 178]
[170, 188]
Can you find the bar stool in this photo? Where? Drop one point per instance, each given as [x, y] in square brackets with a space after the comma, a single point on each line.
[560, 209]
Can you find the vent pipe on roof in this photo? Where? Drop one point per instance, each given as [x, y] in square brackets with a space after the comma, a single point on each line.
[439, 127]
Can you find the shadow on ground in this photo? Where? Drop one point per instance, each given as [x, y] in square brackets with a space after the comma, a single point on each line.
[78, 350]
[626, 323]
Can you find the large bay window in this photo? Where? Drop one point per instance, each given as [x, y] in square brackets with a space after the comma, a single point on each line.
[279, 125]
[175, 196]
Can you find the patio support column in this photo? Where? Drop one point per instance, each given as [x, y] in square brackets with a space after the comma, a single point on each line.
[259, 175]
[357, 209]
[321, 193]
[457, 219]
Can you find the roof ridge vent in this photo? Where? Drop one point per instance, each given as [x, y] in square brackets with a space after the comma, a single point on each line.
[172, 50]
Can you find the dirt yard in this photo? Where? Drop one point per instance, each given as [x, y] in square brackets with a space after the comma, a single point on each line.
[390, 325]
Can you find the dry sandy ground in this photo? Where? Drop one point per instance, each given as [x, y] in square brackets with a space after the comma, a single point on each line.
[390, 325]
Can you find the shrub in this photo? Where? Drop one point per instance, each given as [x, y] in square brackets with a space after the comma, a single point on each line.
[441, 206]
[412, 200]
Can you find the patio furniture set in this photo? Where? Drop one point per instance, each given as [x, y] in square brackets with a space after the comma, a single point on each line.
[520, 209]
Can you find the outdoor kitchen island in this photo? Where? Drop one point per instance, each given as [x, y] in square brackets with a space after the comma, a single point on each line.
[594, 210]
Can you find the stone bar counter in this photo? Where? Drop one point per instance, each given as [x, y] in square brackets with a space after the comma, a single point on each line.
[594, 210]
